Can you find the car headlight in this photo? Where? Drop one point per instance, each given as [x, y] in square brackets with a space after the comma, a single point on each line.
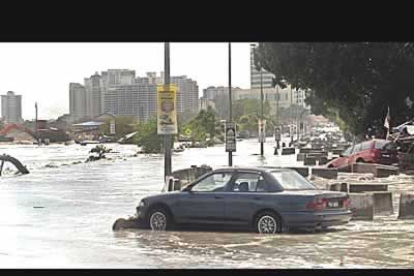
[141, 203]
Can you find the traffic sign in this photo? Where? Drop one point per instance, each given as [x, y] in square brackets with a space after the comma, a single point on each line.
[277, 134]
[262, 131]
[230, 136]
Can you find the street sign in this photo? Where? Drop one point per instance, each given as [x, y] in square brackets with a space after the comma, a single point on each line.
[277, 134]
[167, 109]
[112, 127]
[262, 131]
[230, 136]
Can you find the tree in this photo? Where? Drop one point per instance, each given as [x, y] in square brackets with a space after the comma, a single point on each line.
[203, 126]
[148, 139]
[352, 82]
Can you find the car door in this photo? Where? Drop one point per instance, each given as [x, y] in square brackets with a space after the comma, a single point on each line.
[204, 201]
[354, 154]
[244, 197]
[343, 159]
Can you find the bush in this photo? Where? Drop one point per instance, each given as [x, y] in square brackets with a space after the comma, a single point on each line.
[148, 139]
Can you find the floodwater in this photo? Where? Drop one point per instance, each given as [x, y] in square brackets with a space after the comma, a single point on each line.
[61, 216]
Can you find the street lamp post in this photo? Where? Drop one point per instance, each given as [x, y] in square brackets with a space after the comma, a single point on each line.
[36, 132]
[261, 106]
[167, 138]
[277, 113]
[230, 107]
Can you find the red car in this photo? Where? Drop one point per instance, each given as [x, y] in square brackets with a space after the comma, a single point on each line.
[374, 151]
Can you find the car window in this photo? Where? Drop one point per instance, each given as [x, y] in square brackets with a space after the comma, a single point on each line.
[391, 146]
[213, 183]
[366, 145]
[291, 180]
[247, 182]
[379, 144]
[357, 148]
[347, 151]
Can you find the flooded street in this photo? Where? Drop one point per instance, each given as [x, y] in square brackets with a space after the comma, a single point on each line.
[61, 215]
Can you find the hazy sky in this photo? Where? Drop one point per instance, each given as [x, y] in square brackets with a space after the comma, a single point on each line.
[42, 71]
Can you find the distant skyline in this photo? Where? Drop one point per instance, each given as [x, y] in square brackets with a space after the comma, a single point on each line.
[42, 71]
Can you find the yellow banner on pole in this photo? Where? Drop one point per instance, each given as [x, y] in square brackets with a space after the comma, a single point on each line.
[167, 109]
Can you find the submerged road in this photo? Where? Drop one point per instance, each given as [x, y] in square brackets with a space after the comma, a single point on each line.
[61, 214]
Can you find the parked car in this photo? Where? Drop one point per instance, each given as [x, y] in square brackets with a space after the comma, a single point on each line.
[374, 151]
[265, 200]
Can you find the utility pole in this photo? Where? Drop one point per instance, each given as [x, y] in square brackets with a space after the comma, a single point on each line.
[230, 107]
[261, 106]
[167, 137]
[297, 109]
[277, 114]
[36, 132]
[292, 119]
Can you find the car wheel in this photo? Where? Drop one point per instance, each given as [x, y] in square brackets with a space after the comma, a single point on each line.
[159, 219]
[360, 160]
[268, 223]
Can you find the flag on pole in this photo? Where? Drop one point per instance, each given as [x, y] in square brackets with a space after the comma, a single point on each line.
[387, 119]
[387, 123]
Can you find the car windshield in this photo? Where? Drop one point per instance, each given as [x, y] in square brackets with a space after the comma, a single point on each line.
[291, 180]
[380, 144]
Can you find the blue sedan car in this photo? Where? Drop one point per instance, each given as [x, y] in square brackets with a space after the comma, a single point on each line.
[265, 200]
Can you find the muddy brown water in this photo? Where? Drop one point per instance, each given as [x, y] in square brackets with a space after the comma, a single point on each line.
[61, 214]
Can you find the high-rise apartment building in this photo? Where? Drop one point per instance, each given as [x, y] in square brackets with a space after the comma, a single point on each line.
[11, 108]
[119, 92]
[187, 97]
[77, 101]
[255, 74]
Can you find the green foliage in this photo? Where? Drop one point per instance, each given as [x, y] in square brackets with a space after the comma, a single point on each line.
[249, 106]
[352, 82]
[100, 150]
[147, 137]
[203, 126]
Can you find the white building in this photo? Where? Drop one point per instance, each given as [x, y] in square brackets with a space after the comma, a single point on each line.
[77, 101]
[212, 92]
[119, 92]
[11, 108]
[205, 103]
[187, 97]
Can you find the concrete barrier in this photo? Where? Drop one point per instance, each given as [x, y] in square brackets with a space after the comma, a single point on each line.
[191, 174]
[325, 173]
[346, 169]
[362, 206]
[323, 160]
[383, 203]
[288, 151]
[305, 150]
[385, 171]
[337, 150]
[406, 210]
[303, 171]
[309, 161]
[367, 187]
[377, 170]
[300, 157]
[339, 187]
